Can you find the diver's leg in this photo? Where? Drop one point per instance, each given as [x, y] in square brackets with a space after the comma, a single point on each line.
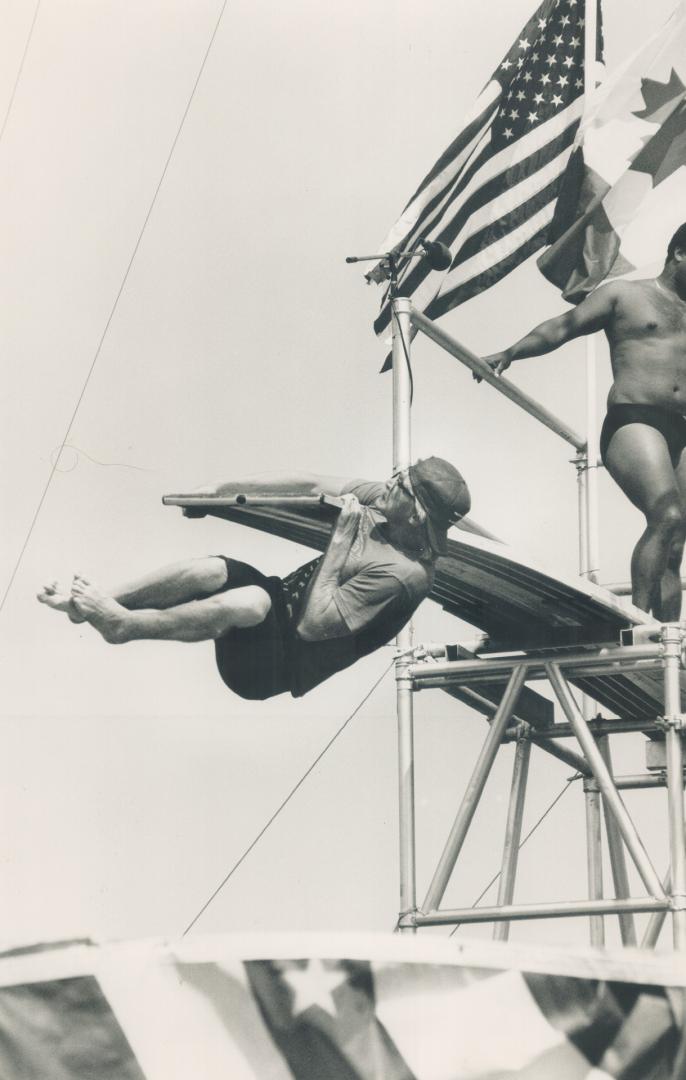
[177, 583]
[639, 461]
[196, 620]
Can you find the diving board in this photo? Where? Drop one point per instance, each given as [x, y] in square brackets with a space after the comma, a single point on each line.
[519, 605]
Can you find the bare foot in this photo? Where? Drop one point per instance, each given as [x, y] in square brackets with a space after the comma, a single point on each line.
[102, 612]
[58, 597]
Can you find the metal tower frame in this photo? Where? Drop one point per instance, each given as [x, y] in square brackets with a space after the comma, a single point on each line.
[601, 788]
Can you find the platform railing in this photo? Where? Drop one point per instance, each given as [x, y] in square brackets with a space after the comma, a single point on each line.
[480, 368]
[586, 499]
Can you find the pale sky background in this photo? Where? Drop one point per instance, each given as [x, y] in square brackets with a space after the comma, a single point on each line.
[130, 779]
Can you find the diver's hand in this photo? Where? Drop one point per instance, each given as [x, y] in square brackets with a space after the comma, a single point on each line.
[349, 518]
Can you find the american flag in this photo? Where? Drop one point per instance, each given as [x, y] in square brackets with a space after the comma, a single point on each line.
[490, 197]
[396, 1010]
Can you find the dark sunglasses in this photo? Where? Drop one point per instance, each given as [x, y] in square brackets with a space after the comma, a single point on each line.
[403, 483]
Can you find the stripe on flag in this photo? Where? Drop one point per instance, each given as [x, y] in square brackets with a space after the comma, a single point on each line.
[62, 1029]
[625, 188]
[392, 1010]
[622, 1029]
[485, 197]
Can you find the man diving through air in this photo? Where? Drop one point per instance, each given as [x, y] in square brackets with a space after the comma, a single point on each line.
[273, 635]
[644, 433]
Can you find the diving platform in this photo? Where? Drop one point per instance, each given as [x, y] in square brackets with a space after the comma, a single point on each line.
[518, 605]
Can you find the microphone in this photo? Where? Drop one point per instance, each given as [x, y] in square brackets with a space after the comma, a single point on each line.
[438, 254]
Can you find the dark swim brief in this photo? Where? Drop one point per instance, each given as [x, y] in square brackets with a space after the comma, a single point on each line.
[253, 660]
[670, 424]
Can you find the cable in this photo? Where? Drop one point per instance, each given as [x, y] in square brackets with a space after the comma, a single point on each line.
[114, 307]
[288, 798]
[530, 833]
[21, 68]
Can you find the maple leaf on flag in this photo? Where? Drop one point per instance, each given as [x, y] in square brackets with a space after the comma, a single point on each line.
[665, 151]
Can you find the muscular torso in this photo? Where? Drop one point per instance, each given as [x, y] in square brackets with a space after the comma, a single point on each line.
[647, 337]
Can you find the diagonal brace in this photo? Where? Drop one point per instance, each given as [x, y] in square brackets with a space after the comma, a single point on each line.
[474, 789]
[611, 796]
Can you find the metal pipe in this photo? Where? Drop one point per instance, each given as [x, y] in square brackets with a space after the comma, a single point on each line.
[406, 808]
[635, 781]
[474, 789]
[240, 499]
[404, 693]
[624, 588]
[539, 911]
[620, 877]
[502, 665]
[594, 864]
[590, 84]
[657, 919]
[569, 757]
[508, 389]
[534, 674]
[513, 834]
[580, 462]
[609, 792]
[402, 391]
[596, 727]
[672, 637]
[593, 542]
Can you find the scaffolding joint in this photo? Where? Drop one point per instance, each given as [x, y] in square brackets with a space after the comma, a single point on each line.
[407, 919]
[580, 460]
[677, 902]
[521, 732]
[402, 670]
[674, 642]
[671, 722]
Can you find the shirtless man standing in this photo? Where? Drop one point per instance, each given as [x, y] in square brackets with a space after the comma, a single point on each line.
[644, 433]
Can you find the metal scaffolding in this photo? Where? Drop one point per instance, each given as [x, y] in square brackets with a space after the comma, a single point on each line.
[416, 671]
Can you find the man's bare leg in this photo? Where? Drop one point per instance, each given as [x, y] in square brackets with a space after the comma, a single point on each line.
[671, 582]
[638, 460]
[197, 620]
[670, 591]
[177, 583]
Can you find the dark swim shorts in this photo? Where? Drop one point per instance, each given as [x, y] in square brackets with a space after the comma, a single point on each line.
[670, 424]
[253, 661]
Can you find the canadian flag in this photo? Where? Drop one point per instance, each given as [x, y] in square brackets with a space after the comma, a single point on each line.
[624, 193]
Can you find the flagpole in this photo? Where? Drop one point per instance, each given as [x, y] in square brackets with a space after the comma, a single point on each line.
[592, 545]
[589, 556]
[402, 393]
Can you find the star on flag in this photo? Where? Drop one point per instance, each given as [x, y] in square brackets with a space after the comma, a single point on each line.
[313, 985]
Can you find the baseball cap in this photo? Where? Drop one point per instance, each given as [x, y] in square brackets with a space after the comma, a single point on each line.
[442, 492]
